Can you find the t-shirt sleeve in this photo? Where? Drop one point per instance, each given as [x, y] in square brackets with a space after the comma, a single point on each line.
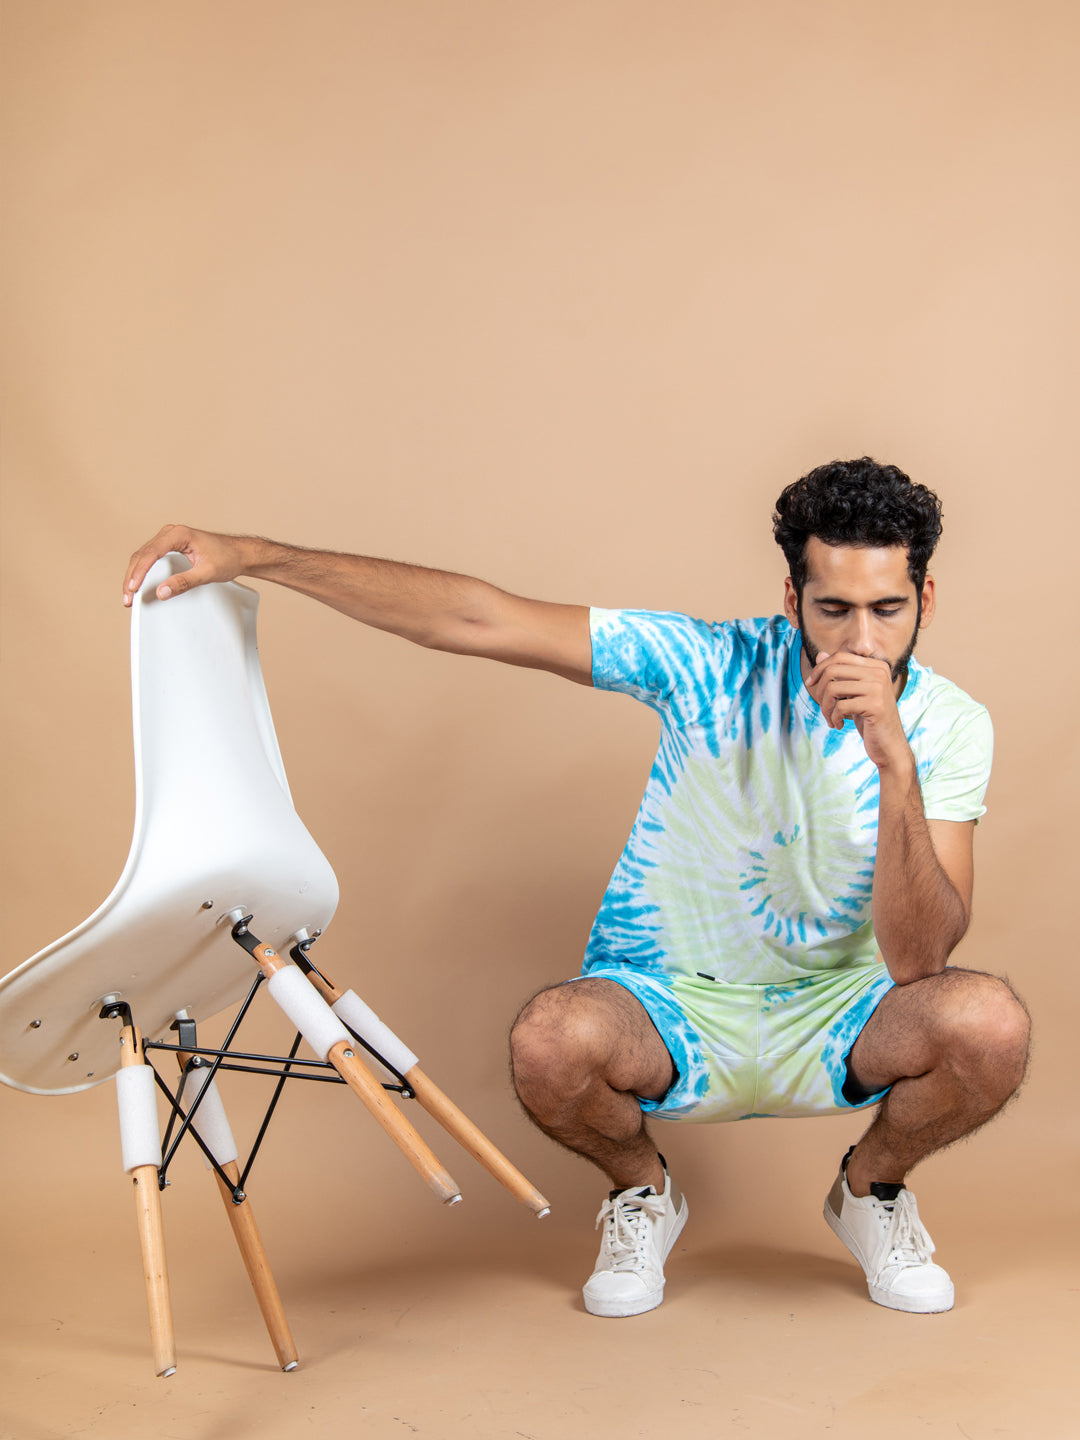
[955, 783]
[666, 660]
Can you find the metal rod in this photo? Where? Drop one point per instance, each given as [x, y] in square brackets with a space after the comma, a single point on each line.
[269, 1111]
[288, 1074]
[174, 1108]
[235, 1054]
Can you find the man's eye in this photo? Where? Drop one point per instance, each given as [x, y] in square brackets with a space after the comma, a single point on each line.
[887, 611]
[833, 614]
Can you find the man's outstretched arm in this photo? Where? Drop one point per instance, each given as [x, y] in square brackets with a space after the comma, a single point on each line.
[434, 608]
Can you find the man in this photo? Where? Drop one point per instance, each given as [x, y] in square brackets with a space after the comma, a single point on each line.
[774, 939]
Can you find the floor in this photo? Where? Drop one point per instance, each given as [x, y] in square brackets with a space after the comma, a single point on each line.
[766, 1329]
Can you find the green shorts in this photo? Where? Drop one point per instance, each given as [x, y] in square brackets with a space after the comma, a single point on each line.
[744, 1051]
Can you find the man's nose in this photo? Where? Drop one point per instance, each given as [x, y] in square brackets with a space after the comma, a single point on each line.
[862, 638]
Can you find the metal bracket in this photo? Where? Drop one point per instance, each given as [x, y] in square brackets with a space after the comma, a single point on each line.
[186, 1037]
[243, 936]
[117, 1010]
[298, 954]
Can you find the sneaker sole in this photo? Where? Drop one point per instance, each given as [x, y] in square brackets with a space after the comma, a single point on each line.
[910, 1305]
[623, 1309]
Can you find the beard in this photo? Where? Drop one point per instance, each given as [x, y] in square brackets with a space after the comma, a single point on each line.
[898, 670]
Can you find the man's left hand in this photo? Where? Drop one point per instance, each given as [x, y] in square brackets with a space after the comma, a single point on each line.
[860, 688]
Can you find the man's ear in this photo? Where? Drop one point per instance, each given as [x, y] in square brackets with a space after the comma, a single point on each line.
[929, 602]
[791, 602]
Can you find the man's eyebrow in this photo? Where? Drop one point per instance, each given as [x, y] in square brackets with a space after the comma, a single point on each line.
[838, 600]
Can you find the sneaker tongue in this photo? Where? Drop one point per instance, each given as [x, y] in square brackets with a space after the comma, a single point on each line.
[641, 1194]
[885, 1191]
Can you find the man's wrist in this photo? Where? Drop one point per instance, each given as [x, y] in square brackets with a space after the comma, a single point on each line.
[261, 559]
[898, 772]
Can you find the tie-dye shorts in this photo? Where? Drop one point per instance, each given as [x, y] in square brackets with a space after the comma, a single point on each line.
[742, 1051]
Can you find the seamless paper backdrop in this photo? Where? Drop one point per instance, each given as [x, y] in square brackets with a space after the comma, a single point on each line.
[562, 295]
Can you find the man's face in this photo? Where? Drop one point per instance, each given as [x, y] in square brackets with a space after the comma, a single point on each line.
[861, 600]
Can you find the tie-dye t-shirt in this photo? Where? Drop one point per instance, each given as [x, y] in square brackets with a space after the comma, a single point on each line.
[752, 856]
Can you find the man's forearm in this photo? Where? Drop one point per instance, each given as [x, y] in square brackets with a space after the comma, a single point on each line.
[436, 608]
[919, 917]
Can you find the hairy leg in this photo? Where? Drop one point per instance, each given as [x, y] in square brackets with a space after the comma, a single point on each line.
[581, 1053]
[954, 1049]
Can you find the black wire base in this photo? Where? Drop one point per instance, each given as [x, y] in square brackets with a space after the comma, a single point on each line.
[277, 1067]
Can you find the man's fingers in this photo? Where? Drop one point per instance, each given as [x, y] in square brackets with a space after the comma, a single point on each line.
[175, 585]
[169, 537]
[837, 709]
[847, 697]
[844, 662]
[146, 556]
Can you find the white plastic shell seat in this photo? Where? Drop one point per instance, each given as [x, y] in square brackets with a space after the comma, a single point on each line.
[215, 831]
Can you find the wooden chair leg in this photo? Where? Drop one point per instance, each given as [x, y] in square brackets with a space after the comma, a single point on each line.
[139, 1139]
[155, 1270]
[456, 1123]
[257, 1266]
[362, 1082]
[214, 1131]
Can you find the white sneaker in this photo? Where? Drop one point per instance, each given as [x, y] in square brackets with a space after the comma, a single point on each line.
[639, 1229]
[884, 1233]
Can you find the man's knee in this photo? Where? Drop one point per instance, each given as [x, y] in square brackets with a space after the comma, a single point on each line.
[583, 1033]
[554, 1043]
[985, 1024]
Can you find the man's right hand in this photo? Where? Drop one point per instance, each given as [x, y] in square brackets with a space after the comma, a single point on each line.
[213, 557]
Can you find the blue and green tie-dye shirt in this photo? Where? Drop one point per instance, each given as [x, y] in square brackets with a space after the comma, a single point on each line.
[752, 856]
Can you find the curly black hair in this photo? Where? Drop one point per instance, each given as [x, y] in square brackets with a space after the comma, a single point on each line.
[857, 502]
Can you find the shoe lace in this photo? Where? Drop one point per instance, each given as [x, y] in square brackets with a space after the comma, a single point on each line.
[909, 1244]
[626, 1226]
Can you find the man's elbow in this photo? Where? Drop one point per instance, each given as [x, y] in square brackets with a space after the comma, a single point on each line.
[906, 969]
[926, 956]
[474, 624]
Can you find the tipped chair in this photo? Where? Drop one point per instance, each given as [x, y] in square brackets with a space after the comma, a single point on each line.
[224, 893]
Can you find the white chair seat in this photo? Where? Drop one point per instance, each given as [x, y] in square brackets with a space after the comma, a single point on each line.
[214, 822]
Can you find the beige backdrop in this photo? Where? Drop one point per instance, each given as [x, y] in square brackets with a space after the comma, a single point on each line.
[561, 294]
